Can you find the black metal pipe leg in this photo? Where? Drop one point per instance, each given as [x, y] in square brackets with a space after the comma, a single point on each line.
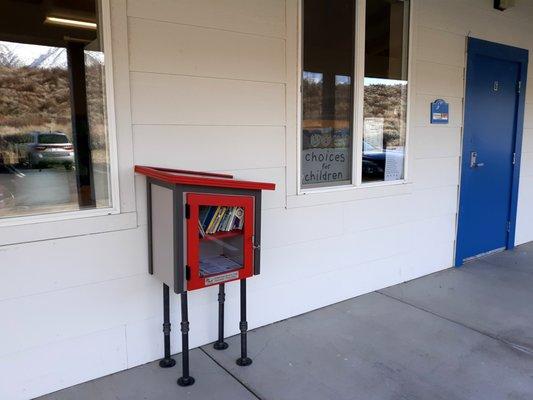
[186, 379]
[220, 344]
[243, 360]
[168, 361]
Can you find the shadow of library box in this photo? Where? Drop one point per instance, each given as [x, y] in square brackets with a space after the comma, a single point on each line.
[204, 229]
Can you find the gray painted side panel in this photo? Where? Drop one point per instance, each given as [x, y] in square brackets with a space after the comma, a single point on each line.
[163, 234]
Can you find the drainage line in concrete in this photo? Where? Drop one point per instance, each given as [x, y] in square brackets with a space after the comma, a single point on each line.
[230, 374]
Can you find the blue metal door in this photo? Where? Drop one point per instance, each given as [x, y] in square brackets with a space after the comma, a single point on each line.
[488, 162]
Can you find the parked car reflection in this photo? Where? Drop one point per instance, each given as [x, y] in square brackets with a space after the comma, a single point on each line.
[42, 149]
[374, 160]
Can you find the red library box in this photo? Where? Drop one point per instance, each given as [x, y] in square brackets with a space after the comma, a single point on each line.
[204, 229]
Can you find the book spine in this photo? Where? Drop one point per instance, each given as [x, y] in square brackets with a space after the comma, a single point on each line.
[213, 221]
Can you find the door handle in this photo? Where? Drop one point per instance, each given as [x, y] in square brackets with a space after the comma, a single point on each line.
[473, 160]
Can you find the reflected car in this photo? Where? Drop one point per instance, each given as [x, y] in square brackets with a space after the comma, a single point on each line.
[374, 160]
[41, 149]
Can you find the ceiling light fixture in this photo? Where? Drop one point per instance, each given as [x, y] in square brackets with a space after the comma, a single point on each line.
[70, 22]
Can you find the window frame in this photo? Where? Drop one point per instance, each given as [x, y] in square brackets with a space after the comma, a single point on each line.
[358, 101]
[104, 18]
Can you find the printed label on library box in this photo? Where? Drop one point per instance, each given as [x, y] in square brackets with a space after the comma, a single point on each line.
[213, 280]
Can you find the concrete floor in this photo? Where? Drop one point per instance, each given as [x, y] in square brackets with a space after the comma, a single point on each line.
[459, 334]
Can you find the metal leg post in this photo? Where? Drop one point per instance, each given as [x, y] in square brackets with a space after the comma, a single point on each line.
[220, 344]
[186, 379]
[168, 361]
[244, 360]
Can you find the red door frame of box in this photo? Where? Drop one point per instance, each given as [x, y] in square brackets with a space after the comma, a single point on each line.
[195, 200]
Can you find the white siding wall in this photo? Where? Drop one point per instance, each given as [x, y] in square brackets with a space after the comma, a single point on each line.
[211, 84]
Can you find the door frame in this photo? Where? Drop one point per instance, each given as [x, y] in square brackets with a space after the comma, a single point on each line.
[520, 56]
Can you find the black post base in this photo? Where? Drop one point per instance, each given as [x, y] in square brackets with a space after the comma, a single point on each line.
[220, 345]
[186, 381]
[243, 361]
[167, 362]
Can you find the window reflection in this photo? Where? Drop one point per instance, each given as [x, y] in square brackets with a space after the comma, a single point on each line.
[53, 137]
[385, 90]
[384, 129]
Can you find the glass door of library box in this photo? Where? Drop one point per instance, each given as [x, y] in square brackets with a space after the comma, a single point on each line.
[219, 239]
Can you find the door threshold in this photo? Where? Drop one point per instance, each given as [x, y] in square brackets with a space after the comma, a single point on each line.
[485, 254]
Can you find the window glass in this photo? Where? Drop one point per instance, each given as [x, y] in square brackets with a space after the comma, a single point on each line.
[327, 92]
[221, 239]
[385, 91]
[54, 153]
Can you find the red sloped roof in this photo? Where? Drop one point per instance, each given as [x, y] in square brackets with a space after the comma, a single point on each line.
[197, 178]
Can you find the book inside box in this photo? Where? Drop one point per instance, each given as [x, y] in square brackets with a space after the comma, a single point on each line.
[221, 239]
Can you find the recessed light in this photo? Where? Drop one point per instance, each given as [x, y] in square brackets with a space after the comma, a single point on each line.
[70, 22]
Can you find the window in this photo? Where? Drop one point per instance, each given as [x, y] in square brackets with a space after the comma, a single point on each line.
[327, 92]
[330, 83]
[54, 144]
[385, 90]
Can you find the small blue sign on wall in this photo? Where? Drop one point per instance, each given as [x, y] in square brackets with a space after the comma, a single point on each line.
[440, 112]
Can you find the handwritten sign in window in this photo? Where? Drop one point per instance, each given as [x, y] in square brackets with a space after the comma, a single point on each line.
[326, 165]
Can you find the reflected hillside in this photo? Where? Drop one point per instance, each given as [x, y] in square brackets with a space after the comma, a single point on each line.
[35, 92]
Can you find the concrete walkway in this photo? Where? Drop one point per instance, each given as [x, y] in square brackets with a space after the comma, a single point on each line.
[459, 334]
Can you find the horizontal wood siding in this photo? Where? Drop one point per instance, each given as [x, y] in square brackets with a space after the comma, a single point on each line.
[190, 50]
[186, 100]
